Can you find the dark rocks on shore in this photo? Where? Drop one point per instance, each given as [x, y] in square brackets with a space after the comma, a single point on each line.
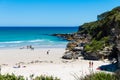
[68, 37]
[91, 56]
[67, 56]
[71, 55]
[72, 37]
[71, 45]
[75, 46]
[78, 48]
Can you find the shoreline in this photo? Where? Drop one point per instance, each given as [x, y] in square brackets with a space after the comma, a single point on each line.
[13, 48]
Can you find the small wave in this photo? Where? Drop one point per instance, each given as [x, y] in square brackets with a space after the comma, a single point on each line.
[40, 40]
[37, 40]
[29, 41]
[12, 42]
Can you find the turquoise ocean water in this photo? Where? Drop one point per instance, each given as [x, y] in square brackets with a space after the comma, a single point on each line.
[39, 37]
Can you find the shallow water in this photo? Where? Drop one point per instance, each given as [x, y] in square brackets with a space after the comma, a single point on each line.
[39, 37]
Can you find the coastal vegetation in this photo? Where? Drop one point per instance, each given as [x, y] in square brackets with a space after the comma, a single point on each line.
[11, 77]
[14, 77]
[101, 30]
[92, 76]
[46, 78]
[101, 76]
[96, 45]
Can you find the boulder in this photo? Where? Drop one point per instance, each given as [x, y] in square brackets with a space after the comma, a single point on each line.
[67, 56]
[71, 55]
[91, 56]
[71, 45]
[78, 49]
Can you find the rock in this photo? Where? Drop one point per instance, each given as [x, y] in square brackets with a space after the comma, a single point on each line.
[90, 56]
[71, 55]
[119, 60]
[78, 48]
[81, 44]
[71, 45]
[67, 56]
[75, 56]
[117, 72]
[68, 37]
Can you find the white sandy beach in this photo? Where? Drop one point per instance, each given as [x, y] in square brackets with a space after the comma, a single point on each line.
[38, 62]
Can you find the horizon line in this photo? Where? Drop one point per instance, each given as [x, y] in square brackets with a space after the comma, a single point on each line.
[39, 26]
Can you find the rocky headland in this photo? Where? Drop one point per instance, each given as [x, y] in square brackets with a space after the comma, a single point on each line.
[97, 40]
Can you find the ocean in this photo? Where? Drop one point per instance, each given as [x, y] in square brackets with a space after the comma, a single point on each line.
[39, 37]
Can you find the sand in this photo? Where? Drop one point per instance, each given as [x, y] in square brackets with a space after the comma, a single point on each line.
[38, 62]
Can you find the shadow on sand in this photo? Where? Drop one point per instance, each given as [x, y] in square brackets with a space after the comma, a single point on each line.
[111, 67]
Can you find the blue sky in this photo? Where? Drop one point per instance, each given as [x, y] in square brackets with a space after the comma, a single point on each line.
[52, 12]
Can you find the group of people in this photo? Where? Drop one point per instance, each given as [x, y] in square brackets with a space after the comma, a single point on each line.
[91, 64]
[28, 47]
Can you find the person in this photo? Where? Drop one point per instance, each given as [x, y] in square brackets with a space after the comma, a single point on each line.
[27, 47]
[92, 64]
[31, 47]
[48, 51]
[0, 69]
[89, 64]
[19, 66]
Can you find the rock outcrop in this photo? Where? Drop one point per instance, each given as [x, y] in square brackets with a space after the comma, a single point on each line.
[96, 40]
[68, 37]
[104, 34]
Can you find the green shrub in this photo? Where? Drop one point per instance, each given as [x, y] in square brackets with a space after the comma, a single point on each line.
[100, 76]
[11, 77]
[117, 72]
[96, 45]
[46, 78]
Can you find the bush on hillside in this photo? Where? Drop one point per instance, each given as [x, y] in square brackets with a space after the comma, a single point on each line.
[96, 45]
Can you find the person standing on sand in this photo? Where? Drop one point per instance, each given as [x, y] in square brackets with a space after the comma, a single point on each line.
[48, 52]
[0, 69]
[92, 64]
[89, 64]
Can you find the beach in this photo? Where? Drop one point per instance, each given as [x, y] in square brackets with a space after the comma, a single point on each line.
[38, 62]
[59, 40]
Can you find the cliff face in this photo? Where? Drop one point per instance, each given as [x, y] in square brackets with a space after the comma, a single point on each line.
[96, 40]
[105, 32]
[104, 25]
